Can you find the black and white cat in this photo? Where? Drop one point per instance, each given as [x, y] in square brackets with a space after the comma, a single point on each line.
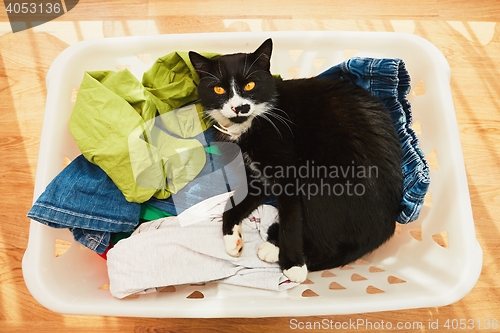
[326, 149]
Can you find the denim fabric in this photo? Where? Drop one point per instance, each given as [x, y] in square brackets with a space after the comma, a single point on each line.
[85, 200]
[388, 80]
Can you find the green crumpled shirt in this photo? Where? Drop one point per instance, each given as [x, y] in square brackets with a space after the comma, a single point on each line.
[142, 133]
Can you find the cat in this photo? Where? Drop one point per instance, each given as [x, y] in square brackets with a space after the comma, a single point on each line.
[325, 149]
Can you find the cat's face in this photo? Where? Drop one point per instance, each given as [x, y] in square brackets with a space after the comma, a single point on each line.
[236, 88]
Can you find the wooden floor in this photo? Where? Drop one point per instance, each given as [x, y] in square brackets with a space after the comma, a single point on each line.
[467, 32]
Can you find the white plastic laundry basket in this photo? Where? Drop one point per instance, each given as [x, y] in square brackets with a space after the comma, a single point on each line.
[433, 261]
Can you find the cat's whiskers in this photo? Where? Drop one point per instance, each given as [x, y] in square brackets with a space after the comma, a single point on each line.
[287, 118]
[209, 78]
[281, 119]
[256, 71]
[253, 63]
[206, 118]
[204, 115]
[284, 118]
[220, 70]
[208, 73]
[245, 64]
[264, 116]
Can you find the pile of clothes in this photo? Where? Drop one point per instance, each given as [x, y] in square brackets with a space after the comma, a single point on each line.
[150, 185]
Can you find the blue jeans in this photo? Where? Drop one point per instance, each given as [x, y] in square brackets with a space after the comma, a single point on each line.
[388, 80]
[85, 200]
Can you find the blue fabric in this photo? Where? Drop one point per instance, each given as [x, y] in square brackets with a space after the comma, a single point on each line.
[389, 80]
[85, 200]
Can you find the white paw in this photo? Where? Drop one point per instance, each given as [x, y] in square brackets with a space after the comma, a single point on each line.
[234, 242]
[268, 252]
[296, 273]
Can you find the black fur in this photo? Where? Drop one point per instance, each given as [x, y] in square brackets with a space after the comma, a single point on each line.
[311, 124]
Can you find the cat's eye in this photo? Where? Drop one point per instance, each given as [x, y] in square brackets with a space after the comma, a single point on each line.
[249, 86]
[219, 90]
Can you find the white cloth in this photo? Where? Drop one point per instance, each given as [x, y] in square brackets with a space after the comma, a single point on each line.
[170, 251]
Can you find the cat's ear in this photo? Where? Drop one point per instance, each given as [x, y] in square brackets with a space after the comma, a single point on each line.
[200, 63]
[263, 54]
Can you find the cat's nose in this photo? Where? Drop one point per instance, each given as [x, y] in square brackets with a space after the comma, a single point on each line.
[241, 109]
